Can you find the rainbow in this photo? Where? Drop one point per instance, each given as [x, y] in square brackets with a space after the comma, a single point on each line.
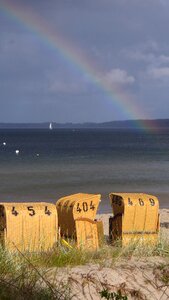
[32, 21]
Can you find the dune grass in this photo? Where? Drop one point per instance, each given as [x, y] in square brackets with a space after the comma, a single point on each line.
[21, 279]
[107, 254]
[23, 276]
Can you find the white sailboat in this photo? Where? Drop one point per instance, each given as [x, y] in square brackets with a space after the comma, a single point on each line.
[50, 126]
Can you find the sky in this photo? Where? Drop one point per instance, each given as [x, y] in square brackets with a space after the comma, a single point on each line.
[83, 60]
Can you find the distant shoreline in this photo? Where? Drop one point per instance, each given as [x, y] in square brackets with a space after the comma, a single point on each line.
[123, 124]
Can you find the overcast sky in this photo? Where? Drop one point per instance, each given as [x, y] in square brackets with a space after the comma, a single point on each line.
[125, 41]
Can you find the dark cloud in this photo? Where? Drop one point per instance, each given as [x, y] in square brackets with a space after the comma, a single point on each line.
[125, 39]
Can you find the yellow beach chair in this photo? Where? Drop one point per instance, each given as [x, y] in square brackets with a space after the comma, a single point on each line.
[136, 217]
[76, 215]
[28, 226]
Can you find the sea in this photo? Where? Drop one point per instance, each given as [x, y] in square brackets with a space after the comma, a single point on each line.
[55, 163]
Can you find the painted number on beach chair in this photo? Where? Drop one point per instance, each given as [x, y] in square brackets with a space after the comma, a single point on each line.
[47, 211]
[141, 202]
[92, 207]
[152, 202]
[78, 208]
[14, 212]
[32, 211]
[85, 207]
[130, 203]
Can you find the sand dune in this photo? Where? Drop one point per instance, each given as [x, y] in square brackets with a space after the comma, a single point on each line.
[138, 278]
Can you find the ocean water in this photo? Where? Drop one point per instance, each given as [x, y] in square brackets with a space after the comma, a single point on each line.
[83, 160]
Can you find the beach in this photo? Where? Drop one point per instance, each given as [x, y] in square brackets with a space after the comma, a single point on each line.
[138, 276]
[53, 164]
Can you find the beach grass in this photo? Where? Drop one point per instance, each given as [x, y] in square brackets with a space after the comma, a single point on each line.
[62, 256]
[23, 275]
[21, 278]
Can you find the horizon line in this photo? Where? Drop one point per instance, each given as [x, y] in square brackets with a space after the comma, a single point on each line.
[87, 122]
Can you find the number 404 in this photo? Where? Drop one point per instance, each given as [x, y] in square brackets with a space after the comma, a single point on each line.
[85, 206]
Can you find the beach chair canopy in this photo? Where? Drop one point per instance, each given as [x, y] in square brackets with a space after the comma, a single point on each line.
[28, 226]
[134, 214]
[73, 207]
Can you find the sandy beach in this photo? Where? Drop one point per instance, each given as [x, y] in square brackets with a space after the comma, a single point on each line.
[137, 277]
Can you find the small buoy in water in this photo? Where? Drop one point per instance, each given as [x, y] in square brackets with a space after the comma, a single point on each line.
[17, 152]
[4, 143]
[37, 154]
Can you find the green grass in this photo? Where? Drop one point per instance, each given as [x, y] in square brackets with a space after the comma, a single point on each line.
[23, 276]
[62, 256]
[21, 279]
[112, 295]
